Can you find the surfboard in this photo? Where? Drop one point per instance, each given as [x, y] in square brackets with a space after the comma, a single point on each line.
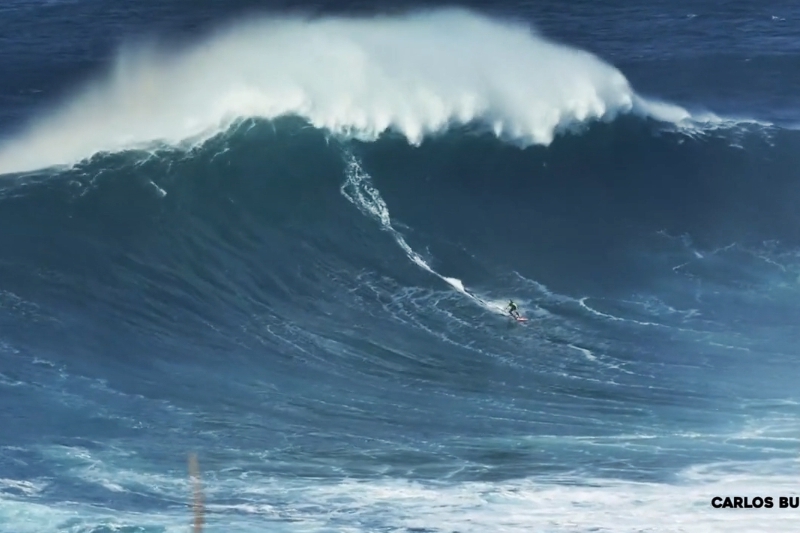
[521, 319]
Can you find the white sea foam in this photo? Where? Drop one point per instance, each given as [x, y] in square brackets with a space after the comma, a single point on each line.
[416, 74]
[253, 502]
[360, 191]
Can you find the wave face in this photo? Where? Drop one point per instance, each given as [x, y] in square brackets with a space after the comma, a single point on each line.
[312, 298]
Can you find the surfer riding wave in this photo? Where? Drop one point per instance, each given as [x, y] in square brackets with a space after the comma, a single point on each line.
[512, 310]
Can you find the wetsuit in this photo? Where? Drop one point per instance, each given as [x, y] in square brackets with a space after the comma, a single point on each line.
[512, 309]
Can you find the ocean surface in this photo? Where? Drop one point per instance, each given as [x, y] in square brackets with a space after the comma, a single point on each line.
[281, 236]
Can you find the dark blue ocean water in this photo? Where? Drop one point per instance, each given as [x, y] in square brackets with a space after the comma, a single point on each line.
[281, 237]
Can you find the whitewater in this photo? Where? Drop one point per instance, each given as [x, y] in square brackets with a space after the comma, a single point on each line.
[415, 75]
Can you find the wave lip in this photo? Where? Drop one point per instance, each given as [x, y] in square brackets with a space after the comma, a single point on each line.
[417, 75]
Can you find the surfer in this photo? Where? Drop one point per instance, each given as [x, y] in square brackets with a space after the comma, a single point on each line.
[512, 309]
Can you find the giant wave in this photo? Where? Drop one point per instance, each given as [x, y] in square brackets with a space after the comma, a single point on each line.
[416, 75]
[329, 309]
[314, 303]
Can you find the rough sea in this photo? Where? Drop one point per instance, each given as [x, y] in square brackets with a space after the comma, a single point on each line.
[281, 236]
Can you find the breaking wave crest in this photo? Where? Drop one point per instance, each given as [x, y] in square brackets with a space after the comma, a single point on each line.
[414, 75]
